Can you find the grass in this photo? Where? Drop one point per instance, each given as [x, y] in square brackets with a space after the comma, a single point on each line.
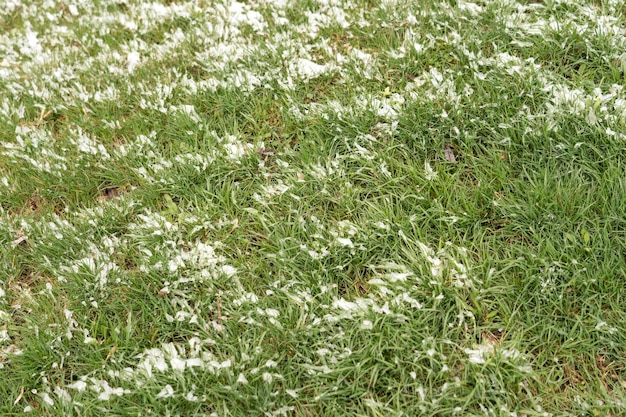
[313, 208]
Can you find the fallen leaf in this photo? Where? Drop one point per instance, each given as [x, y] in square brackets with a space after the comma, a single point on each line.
[21, 238]
[265, 154]
[449, 153]
[112, 192]
[109, 193]
[586, 236]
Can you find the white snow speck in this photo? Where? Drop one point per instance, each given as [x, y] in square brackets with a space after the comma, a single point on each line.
[367, 325]
[345, 242]
[166, 392]
[309, 69]
[78, 386]
[430, 173]
[133, 60]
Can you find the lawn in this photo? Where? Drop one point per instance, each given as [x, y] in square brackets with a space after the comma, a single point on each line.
[313, 208]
